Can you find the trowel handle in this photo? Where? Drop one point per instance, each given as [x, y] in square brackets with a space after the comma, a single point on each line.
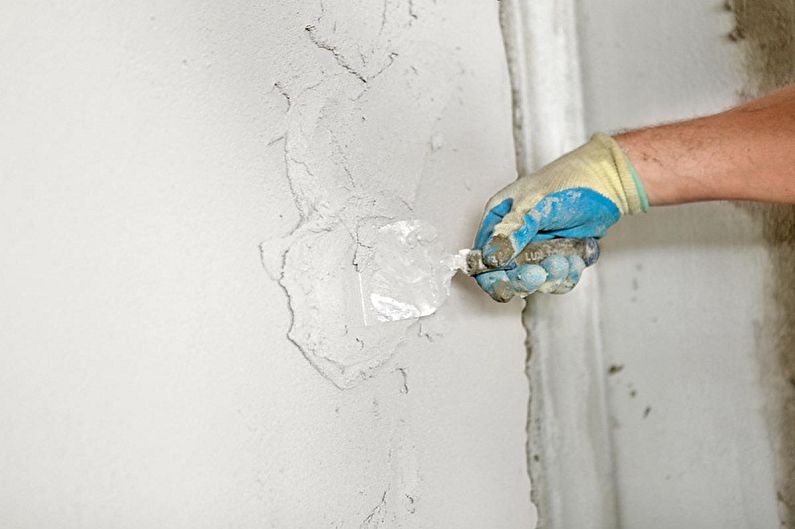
[535, 252]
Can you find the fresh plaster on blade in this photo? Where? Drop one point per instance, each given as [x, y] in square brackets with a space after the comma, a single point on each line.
[328, 326]
[404, 270]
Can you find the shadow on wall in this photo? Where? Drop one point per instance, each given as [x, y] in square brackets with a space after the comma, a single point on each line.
[766, 30]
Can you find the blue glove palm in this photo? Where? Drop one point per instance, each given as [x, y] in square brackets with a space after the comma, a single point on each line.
[579, 195]
[572, 213]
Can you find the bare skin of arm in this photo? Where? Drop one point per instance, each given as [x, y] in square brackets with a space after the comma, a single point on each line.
[746, 153]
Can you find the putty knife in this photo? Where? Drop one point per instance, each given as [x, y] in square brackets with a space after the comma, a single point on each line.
[535, 252]
[405, 273]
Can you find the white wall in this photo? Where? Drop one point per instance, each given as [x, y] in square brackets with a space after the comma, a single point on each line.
[681, 288]
[146, 375]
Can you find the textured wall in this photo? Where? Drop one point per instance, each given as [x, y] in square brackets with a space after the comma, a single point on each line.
[153, 373]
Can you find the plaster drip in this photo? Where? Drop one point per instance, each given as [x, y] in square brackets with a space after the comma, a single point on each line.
[352, 165]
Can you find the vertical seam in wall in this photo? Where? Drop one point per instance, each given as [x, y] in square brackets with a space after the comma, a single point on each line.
[526, 65]
[512, 36]
[596, 304]
[511, 29]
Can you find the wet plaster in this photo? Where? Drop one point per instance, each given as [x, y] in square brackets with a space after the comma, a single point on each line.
[404, 272]
[384, 112]
[765, 31]
[340, 145]
[164, 370]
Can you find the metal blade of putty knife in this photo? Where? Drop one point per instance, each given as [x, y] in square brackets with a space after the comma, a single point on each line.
[405, 272]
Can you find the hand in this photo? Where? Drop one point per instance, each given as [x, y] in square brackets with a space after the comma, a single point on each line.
[578, 195]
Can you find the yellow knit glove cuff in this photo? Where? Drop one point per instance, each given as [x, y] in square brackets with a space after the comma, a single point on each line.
[620, 181]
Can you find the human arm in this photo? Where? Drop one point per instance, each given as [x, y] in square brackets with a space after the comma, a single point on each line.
[747, 153]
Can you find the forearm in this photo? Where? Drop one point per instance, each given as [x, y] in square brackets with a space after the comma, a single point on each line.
[746, 153]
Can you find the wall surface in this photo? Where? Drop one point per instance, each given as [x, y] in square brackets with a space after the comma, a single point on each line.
[152, 371]
[683, 289]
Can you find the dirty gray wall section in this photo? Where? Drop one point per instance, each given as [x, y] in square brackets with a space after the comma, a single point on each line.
[765, 31]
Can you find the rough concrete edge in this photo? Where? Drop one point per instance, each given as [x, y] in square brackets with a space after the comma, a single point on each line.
[513, 38]
[765, 29]
[511, 28]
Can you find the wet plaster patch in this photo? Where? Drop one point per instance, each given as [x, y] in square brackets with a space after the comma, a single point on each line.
[404, 271]
[352, 135]
[321, 282]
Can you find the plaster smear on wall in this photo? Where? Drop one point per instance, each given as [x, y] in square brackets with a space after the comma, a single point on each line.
[340, 146]
[404, 272]
[139, 136]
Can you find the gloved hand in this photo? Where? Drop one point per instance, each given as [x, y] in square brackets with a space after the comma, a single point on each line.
[581, 194]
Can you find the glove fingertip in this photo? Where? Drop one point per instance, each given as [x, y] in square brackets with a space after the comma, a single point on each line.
[576, 266]
[556, 266]
[497, 285]
[492, 218]
[526, 278]
[498, 251]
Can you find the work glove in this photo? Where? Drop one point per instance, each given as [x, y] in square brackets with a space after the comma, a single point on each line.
[579, 195]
